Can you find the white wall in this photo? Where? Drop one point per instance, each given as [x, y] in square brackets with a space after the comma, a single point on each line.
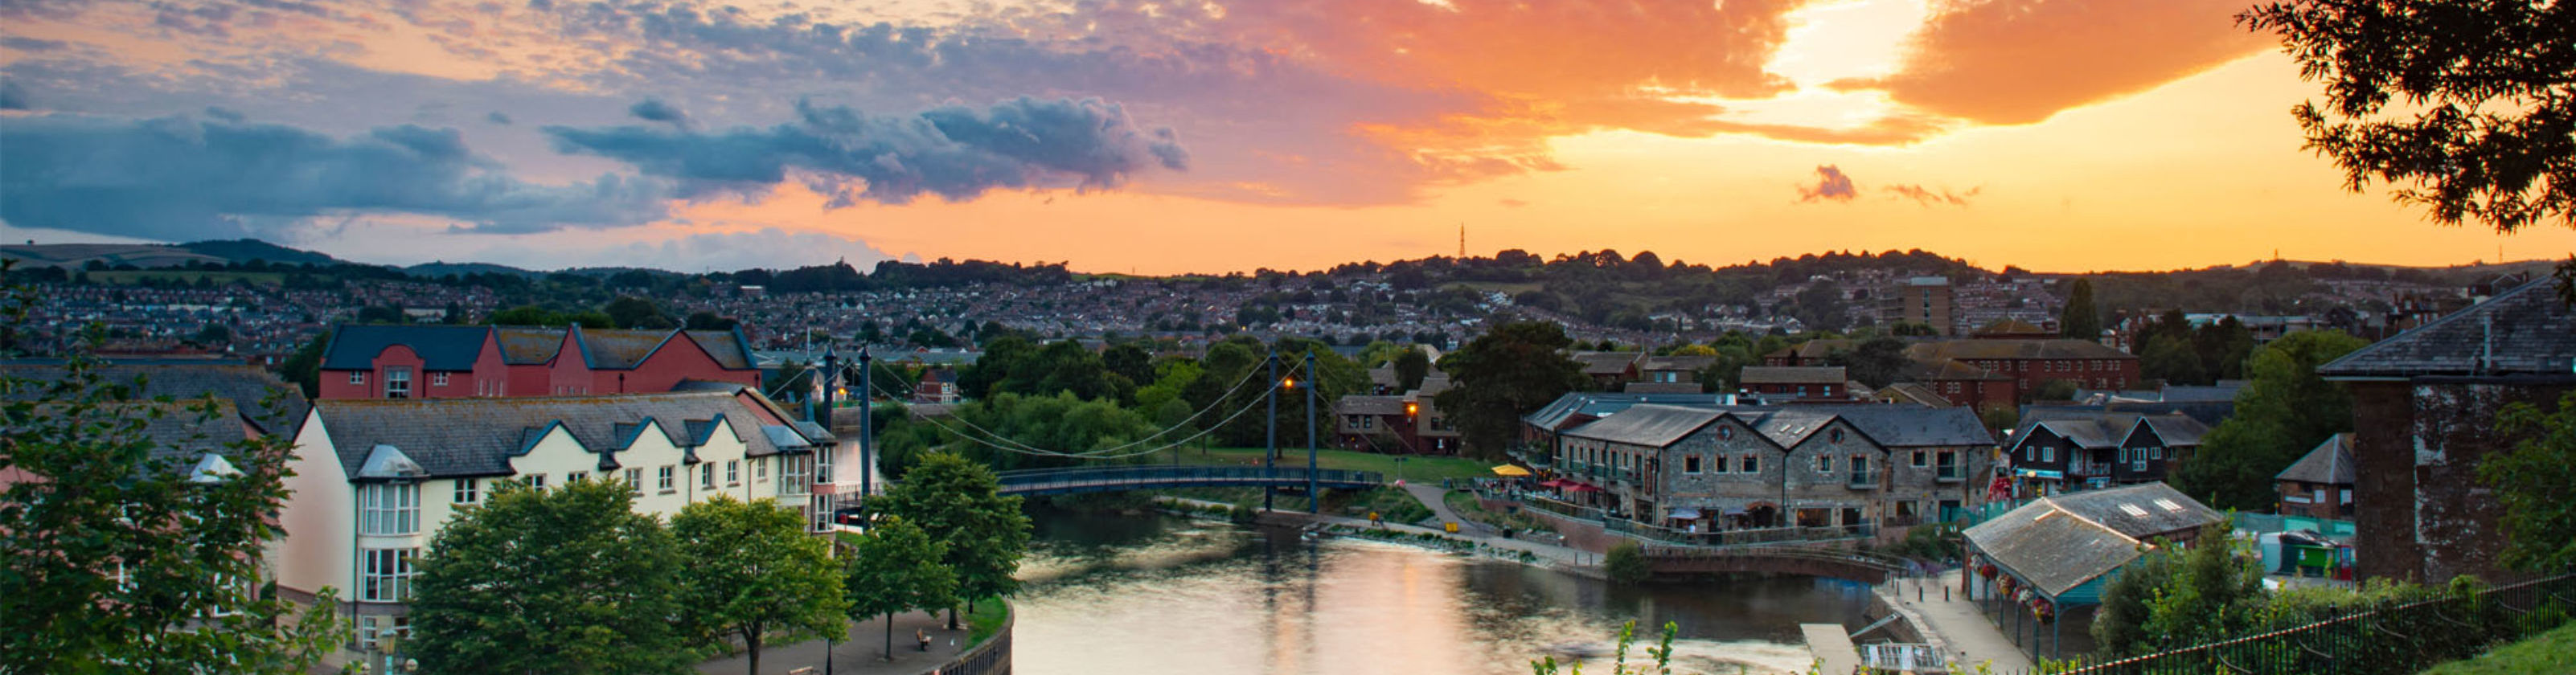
[320, 517]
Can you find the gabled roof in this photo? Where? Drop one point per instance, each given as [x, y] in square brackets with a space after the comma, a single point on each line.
[1910, 392]
[2060, 542]
[2330, 463]
[1369, 405]
[1607, 363]
[2522, 331]
[2098, 429]
[1602, 403]
[1648, 425]
[1786, 427]
[270, 403]
[1661, 388]
[449, 348]
[727, 347]
[1677, 362]
[179, 437]
[526, 346]
[478, 436]
[606, 349]
[2006, 348]
[1899, 426]
[1945, 369]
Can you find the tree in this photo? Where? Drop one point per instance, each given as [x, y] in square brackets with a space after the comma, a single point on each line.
[1410, 367]
[895, 568]
[1508, 372]
[304, 367]
[1626, 564]
[2283, 412]
[525, 315]
[2532, 480]
[2485, 121]
[2171, 359]
[213, 333]
[564, 580]
[2173, 598]
[114, 544]
[754, 573]
[703, 320]
[633, 312]
[2081, 320]
[961, 502]
[1876, 362]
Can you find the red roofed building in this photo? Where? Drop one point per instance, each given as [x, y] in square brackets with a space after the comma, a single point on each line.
[407, 361]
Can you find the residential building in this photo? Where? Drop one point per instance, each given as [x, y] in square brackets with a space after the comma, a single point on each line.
[1800, 383]
[1920, 300]
[1540, 430]
[1961, 384]
[1668, 370]
[1610, 369]
[2055, 451]
[268, 405]
[2085, 364]
[418, 361]
[2424, 408]
[375, 479]
[1706, 469]
[937, 385]
[2319, 485]
[1408, 423]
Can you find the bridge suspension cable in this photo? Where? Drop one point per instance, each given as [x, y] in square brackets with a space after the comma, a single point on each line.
[1112, 452]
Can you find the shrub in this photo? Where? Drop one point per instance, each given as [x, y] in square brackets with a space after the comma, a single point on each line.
[1626, 563]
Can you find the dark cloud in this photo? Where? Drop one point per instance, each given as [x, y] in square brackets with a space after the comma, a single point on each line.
[655, 110]
[225, 114]
[183, 179]
[28, 44]
[1930, 197]
[1831, 184]
[13, 97]
[953, 152]
[496, 117]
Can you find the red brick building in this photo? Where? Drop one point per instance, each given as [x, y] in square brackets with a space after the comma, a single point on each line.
[411, 361]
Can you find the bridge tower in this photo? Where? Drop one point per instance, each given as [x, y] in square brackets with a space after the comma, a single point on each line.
[1270, 451]
[1314, 496]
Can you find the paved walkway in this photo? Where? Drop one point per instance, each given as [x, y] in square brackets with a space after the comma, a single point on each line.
[1569, 559]
[1953, 625]
[862, 653]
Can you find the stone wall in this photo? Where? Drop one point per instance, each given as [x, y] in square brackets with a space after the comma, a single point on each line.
[2420, 511]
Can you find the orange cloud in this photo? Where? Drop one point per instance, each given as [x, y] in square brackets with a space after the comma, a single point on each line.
[2020, 61]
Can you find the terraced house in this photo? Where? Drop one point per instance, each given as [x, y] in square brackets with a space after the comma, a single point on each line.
[415, 361]
[375, 480]
[2056, 451]
[1706, 469]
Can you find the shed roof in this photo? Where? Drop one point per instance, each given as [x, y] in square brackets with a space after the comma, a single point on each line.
[2060, 542]
[1369, 405]
[1647, 425]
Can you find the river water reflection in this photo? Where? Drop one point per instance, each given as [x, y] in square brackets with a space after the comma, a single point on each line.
[1121, 595]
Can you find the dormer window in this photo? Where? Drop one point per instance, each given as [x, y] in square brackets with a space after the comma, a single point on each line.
[397, 383]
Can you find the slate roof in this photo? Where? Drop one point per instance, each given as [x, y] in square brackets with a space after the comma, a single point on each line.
[1909, 392]
[1785, 427]
[2522, 331]
[248, 388]
[2060, 542]
[726, 346]
[2097, 429]
[1661, 388]
[2330, 463]
[1601, 403]
[2005, 348]
[478, 436]
[525, 346]
[180, 437]
[1369, 405]
[1677, 362]
[1606, 363]
[1648, 425]
[1898, 425]
[605, 349]
[449, 348]
[1792, 375]
[2009, 327]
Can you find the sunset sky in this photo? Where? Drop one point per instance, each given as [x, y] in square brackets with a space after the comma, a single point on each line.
[1167, 137]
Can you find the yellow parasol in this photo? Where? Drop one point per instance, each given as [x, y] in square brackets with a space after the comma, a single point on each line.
[1510, 470]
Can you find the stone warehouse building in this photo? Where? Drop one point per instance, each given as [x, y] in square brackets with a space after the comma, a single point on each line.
[1721, 468]
[375, 480]
[2424, 408]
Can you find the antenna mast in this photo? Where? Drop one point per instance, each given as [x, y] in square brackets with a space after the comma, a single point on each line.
[1462, 241]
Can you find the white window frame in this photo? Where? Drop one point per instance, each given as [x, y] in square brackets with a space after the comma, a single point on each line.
[358, 378]
[398, 375]
[385, 574]
[468, 491]
[760, 470]
[733, 472]
[537, 481]
[1922, 459]
[822, 467]
[635, 481]
[1752, 464]
[666, 478]
[389, 508]
[1824, 464]
[707, 476]
[438, 379]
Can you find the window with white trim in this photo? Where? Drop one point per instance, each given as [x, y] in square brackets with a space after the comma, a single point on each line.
[397, 383]
[635, 481]
[537, 481]
[1921, 459]
[822, 466]
[386, 574]
[468, 490]
[707, 475]
[663, 477]
[1825, 463]
[733, 472]
[358, 378]
[389, 508]
[438, 379]
[1690, 464]
[760, 470]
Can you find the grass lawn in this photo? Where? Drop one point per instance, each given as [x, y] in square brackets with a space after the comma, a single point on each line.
[1465, 505]
[2549, 652]
[987, 619]
[1416, 469]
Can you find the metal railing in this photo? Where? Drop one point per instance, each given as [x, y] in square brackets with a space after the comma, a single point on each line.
[1040, 480]
[1864, 478]
[2390, 640]
[1949, 473]
[1881, 562]
[1655, 533]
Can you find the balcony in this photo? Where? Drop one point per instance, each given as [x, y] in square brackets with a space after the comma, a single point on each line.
[1864, 479]
[1949, 473]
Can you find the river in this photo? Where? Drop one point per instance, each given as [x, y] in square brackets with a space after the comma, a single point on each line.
[1134, 595]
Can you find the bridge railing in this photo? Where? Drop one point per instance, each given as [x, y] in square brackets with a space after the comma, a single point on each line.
[1031, 479]
[1881, 562]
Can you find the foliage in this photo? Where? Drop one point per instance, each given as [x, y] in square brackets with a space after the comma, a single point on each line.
[1013, 365]
[2541, 654]
[755, 574]
[2081, 320]
[2171, 360]
[568, 580]
[2173, 598]
[1060, 422]
[119, 562]
[959, 501]
[1508, 372]
[2484, 120]
[895, 567]
[304, 367]
[1662, 653]
[703, 320]
[1929, 541]
[2284, 412]
[1626, 563]
[2532, 482]
[1410, 367]
[1875, 362]
[634, 312]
